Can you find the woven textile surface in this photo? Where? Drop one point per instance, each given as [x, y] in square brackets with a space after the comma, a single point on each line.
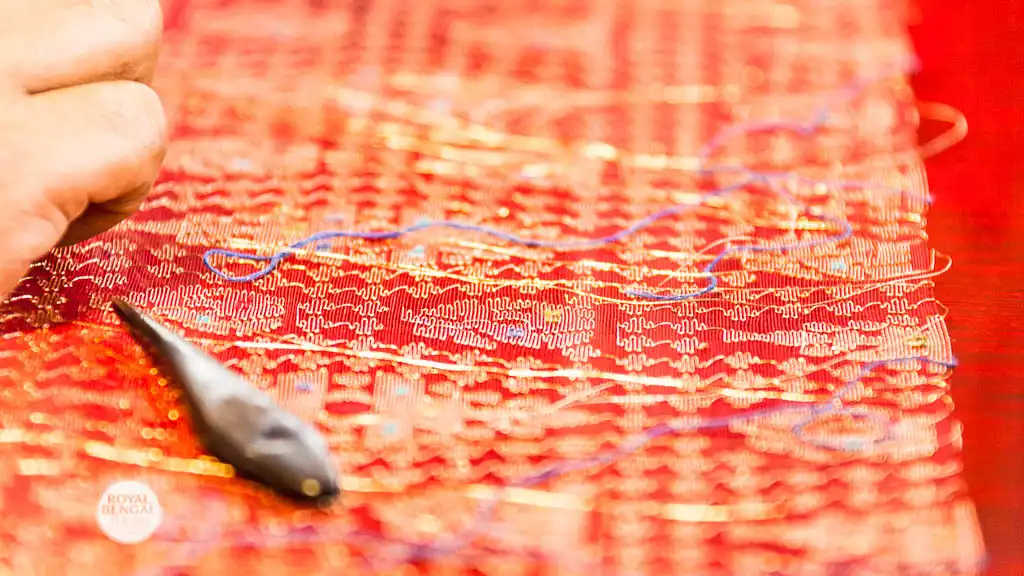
[448, 363]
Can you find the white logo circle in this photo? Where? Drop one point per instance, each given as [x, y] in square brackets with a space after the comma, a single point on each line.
[129, 512]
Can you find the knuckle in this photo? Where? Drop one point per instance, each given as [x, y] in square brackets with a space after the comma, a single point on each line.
[135, 111]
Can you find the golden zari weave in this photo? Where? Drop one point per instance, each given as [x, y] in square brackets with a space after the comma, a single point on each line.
[446, 363]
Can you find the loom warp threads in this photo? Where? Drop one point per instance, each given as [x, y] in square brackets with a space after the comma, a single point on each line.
[771, 180]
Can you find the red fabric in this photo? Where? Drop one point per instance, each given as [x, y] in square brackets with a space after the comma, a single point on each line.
[445, 362]
[972, 53]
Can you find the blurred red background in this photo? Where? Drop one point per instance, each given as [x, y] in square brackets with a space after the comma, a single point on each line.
[973, 57]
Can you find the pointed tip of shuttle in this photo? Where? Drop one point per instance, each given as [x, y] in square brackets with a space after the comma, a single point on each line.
[129, 314]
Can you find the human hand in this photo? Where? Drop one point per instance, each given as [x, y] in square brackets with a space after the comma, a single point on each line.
[82, 136]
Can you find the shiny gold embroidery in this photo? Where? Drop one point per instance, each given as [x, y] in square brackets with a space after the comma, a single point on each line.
[443, 365]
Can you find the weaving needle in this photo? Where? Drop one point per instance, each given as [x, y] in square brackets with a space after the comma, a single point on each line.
[236, 422]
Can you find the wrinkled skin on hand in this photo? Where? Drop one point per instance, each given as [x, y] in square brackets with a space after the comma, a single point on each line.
[82, 135]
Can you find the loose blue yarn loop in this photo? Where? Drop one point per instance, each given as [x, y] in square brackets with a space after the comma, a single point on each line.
[771, 180]
[805, 415]
[833, 406]
[479, 526]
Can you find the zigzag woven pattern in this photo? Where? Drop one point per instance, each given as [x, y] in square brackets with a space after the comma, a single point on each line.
[446, 363]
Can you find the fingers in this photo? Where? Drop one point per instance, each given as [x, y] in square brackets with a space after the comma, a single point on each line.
[61, 43]
[81, 153]
[99, 218]
[88, 155]
[104, 144]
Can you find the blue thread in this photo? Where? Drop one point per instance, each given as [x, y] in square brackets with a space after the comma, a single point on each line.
[838, 265]
[516, 332]
[390, 428]
[417, 251]
[819, 119]
[304, 387]
[203, 318]
[832, 406]
[402, 390]
[276, 259]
